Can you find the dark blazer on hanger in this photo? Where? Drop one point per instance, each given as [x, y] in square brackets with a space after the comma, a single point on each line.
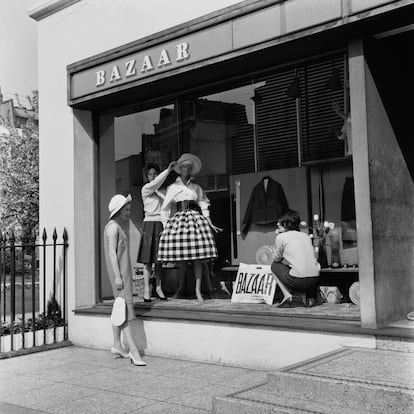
[265, 207]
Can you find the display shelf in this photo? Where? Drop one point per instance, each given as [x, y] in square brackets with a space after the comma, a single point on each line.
[339, 270]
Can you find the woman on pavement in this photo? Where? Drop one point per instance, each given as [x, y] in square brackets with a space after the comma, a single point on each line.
[118, 263]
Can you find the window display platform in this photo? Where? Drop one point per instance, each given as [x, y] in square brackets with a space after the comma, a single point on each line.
[342, 277]
[340, 311]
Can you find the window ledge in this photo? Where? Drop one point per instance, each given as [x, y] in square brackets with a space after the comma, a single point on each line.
[302, 322]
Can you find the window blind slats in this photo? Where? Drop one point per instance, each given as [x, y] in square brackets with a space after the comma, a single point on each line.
[261, 120]
[276, 123]
[319, 123]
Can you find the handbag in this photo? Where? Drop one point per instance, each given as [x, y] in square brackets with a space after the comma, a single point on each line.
[331, 294]
[118, 314]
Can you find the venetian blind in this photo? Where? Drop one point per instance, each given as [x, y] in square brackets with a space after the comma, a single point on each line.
[320, 125]
[240, 131]
[276, 123]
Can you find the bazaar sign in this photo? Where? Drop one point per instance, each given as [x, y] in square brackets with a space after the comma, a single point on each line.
[141, 65]
[123, 67]
[254, 284]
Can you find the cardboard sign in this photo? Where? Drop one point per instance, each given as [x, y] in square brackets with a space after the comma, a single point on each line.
[254, 284]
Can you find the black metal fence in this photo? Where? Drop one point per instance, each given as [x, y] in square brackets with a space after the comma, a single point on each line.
[33, 303]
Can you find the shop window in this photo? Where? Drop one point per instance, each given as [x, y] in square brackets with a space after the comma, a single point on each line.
[276, 120]
[323, 84]
[276, 127]
[136, 139]
[140, 138]
[222, 124]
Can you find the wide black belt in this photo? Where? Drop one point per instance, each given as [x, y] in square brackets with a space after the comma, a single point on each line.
[188, 205]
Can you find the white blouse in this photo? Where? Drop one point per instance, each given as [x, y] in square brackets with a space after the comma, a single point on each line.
[152, 198]
[178, 191]
[295, 249]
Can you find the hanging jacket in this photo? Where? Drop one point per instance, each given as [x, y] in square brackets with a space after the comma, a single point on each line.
[265, 207]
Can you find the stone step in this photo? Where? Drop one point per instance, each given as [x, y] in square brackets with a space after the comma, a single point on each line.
[348, 381]
[257, 400]
[400, 344]
[374, 380]
[351, 395]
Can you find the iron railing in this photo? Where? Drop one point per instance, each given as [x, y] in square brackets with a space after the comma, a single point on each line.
[32, 294]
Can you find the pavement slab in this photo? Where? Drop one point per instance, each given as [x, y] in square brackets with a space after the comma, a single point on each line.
[101, 403]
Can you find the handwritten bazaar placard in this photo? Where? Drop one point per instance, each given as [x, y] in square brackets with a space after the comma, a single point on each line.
[254, 284]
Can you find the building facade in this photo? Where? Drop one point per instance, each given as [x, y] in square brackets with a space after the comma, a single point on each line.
[292, 92]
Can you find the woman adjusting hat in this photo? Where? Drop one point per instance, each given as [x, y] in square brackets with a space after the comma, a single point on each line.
[152, 200]
[187, 235]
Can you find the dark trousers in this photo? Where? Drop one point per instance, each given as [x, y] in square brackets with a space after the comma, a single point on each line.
[308, 285]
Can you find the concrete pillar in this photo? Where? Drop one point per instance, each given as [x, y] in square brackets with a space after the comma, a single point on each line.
[391, 185]
[85, 245]
[359, 124]
[384, 189]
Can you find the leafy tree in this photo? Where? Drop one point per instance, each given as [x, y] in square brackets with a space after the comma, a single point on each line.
[19, 179]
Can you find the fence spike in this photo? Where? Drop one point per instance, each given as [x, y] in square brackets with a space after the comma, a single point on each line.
[65, 235]
[54, 236]
[44, 235]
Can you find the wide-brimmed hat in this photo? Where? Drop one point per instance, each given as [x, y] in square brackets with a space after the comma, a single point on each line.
[190, 158]
[117, 202]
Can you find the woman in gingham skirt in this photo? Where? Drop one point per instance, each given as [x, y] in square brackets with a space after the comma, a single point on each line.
[188, 234]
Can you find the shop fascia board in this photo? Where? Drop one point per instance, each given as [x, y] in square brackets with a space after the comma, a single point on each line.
[226, 20]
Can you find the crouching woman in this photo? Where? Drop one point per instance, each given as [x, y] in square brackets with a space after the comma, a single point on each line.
[294, 262]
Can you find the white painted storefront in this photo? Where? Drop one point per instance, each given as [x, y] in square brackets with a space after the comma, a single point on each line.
[73, 31]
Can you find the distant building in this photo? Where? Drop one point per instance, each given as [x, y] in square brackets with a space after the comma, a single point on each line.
[17, 112]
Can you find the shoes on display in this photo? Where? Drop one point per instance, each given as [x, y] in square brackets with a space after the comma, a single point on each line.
[147, 300]
[310, 302]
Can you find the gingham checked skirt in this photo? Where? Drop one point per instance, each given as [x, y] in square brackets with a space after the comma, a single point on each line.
[187, 236]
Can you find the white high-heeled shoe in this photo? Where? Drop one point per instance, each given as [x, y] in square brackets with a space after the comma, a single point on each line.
[137, 362]
[117, 352]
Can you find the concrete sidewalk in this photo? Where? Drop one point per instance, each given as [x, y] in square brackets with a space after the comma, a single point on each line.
[81, 380]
